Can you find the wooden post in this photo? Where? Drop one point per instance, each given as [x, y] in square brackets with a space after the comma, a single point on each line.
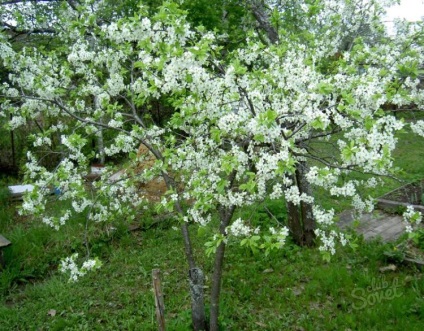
[160, 307]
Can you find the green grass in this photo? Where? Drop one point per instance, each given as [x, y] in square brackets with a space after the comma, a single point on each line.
[289, 290]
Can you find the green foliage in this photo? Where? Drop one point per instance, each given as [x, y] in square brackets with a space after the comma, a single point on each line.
[223, 16]
[418, 238]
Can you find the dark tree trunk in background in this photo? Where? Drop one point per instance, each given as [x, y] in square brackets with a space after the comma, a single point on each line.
[262, 17]
[295, 222]
[308, 220]
[301, 221]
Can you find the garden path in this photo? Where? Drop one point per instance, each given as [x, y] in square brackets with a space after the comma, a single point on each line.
[388, 227]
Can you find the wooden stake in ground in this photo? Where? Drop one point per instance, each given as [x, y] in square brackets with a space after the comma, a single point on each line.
[160, 307]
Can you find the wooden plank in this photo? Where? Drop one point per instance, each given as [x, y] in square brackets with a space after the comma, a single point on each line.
[373, 225]
[394, 205]
[17, 191]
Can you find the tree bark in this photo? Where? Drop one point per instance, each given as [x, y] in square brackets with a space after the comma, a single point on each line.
[195, 273]
[295, 222]
[225, 214]
[262, 17]
[308, 220]
[301, 220]
[195, 277]
[198, 317]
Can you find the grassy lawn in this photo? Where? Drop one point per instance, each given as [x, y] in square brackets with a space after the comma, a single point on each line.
[293, 289]
[289, 290]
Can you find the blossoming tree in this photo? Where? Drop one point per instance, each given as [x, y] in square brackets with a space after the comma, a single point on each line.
[245, 123]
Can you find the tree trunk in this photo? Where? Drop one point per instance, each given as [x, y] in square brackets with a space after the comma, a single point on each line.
[100, 142]
[262, 17]
[294, 220]
[195, 277]
[225, 215]
[195, 274]
[100, 146]
[301, 220]
[198, 317]
[308, 220]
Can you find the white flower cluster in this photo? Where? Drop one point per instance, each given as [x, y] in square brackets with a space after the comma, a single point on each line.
[57, 222]
[324, 177]
[16, 122]
[346, 190]
[75, 144]
[328, 240]
[42, 140]
[323, 217]
[197, 217]
[280, 236]
[123, 143]
[362, 205]
[293, 195]
[412, 218]
[418, 127]
[69, 265]
[81, 53]
[277, 191]
[239, 229]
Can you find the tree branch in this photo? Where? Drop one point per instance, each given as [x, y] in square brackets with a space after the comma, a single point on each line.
[262, 17]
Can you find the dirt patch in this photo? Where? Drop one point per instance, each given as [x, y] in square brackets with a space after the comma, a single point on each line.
[152, 190]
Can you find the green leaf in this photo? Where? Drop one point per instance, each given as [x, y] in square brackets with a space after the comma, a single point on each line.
[216, 134]
[201, 231]
[268, 118]
[318, 123]
[369, 123]
[325, 88]
[259, 137]
[221, 186]
[349, 151]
